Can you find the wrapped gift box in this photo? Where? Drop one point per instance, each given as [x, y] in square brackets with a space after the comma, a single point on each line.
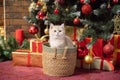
[102, 62]
[35, 46]
[25, 58]
[116, 55]
[73, 32]
[98, 63]
[97, 49]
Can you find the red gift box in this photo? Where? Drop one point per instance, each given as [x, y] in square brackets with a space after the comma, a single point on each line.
[35, 46]
[102, 62]
[97, 48]
[116, 55]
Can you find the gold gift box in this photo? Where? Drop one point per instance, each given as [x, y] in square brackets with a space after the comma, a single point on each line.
[27, 58]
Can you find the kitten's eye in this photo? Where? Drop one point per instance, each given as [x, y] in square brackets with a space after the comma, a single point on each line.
[59, 30]
[54, 30]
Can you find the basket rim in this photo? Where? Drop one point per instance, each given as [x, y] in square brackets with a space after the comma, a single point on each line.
[47, 48]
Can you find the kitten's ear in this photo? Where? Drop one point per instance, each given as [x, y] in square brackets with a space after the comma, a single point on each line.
[51, 25]
[62, 25]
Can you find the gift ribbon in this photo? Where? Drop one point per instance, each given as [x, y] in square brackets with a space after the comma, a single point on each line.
[92, 53]
[102, 61]
[37, 43]
[28, 61]
[31, 44]
[116, 49]
[81, 63]
[101, 64]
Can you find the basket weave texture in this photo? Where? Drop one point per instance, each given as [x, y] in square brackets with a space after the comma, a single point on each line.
[58, 66]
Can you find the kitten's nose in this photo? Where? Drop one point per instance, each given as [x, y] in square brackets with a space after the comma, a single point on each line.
[57, 33]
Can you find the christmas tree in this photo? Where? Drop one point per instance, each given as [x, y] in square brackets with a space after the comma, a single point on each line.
[96, 15]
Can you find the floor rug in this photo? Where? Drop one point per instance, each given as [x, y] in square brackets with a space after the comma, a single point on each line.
[10, 72]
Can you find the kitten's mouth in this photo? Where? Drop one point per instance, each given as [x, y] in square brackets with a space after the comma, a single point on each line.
[56, 37]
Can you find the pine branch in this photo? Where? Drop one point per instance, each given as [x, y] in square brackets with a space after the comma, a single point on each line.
[25, 44]
[116, 9]
[12, 43]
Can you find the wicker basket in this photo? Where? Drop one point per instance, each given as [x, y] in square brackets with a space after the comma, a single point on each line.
[58, 62]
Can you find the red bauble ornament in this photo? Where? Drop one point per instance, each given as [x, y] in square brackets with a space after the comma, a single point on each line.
[76, 21]
[56, 11]
[108, 49]
[33, 30]
[86, 9]
[41, 15]
[115, 1]
[82, 52]
[92, 1]
[82, 1]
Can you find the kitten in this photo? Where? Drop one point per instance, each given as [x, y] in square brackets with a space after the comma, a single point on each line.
[57, 37]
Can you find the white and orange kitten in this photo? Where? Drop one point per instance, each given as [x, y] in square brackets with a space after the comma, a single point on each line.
[57, 37]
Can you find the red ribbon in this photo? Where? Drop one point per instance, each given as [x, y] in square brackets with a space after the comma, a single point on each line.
[81, 63]
[101, 64]
[28, 61]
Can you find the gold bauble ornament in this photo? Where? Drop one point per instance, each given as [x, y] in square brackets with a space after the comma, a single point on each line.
[88, 59]
[41, 0]
[46, 31]
[66, 9]
[44, 8]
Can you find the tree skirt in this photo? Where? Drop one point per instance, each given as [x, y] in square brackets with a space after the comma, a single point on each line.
[11, 72]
